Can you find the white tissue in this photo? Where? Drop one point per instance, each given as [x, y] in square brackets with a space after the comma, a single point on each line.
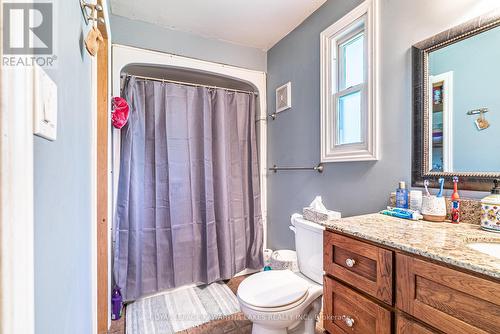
[317, 212]
[317, 204]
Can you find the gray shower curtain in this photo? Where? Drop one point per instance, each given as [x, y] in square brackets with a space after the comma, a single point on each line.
[188, 204]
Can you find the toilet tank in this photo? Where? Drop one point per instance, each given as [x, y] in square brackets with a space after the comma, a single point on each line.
[309, 247]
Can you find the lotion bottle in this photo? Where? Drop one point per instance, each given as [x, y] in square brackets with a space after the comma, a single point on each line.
[402, 196]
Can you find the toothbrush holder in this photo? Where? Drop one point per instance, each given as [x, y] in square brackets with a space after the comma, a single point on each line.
[434, 208]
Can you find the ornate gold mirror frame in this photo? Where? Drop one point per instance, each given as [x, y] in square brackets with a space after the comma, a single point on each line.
[420, 60]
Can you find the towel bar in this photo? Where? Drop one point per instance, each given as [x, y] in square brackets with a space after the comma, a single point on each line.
[319, 168]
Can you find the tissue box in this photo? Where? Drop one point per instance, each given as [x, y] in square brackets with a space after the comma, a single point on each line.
[315, 216]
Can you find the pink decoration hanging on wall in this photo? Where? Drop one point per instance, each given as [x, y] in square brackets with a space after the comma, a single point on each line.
[119, 116]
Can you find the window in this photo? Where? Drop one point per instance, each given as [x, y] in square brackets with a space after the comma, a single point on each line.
[351, 83]
[348, 87]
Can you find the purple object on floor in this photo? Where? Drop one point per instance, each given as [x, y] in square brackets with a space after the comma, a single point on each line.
[116, 304]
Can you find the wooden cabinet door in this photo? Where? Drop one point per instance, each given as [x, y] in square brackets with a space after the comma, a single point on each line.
[364, 266]
[348, 312]
[405, 325]
[449, 300]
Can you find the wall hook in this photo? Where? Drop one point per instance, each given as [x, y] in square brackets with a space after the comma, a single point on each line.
[89, 12]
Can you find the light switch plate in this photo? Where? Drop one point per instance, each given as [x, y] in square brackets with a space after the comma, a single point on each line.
[45, 105]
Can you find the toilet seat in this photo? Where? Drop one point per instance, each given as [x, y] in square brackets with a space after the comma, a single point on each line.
[272, 291]
[281, 301]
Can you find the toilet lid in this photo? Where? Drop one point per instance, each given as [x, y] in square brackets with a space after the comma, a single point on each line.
[272, 288]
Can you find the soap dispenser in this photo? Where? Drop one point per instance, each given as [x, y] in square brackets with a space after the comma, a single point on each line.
[490, 209]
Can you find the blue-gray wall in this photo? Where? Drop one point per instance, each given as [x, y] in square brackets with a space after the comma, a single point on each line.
[149, 36]
[62, 190]
[293, 139]
[475, 63]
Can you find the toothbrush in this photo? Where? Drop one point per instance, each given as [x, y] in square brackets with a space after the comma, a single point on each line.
[441, 187]
[426, 185]
[455, 202]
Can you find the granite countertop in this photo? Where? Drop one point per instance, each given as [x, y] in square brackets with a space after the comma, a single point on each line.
[443, 242]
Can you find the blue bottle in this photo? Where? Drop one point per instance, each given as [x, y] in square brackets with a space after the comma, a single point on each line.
[402, 196]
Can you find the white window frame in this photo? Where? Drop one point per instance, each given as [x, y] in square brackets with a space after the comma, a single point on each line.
[362, 18]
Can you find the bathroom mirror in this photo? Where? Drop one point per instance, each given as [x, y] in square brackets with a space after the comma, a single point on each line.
[456, 93]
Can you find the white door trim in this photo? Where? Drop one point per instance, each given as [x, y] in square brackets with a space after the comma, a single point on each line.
[17, 290]
[93, 191]
[447, 79]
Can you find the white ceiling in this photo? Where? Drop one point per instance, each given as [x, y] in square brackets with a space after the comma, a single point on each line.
[254, 23]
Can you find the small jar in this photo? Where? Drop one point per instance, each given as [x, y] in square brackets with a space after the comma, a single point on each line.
[490, 210]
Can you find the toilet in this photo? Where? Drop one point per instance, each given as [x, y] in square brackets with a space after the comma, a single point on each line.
[282, 301]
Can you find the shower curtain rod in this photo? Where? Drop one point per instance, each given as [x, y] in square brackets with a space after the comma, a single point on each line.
[190, 84]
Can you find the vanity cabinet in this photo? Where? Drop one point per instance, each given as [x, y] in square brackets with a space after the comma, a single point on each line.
[366, 266]
[369, 288]
[352, 312]
[447, 299]
[405, 325]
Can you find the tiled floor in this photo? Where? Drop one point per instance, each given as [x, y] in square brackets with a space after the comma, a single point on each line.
[235, 324]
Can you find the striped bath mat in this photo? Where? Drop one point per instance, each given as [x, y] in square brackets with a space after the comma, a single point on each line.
[180, 309]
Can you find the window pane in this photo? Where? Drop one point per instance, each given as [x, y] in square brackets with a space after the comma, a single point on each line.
[349, 119]
[353, 62]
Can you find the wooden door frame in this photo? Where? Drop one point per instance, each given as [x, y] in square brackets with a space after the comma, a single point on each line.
[101, 86]
[102, 188]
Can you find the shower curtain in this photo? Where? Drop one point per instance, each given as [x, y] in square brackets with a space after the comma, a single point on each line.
[188, 204]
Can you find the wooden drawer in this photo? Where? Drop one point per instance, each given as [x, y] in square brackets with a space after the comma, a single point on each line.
[346, 311]
[371, 268]
[447, 299]
[405, 325]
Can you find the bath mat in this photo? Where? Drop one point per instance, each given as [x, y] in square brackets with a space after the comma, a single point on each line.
[180, 309]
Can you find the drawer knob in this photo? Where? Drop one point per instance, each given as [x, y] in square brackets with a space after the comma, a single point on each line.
[350, 262]
[349, 321]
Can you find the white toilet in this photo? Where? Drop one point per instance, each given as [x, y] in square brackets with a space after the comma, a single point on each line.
[281, 301]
